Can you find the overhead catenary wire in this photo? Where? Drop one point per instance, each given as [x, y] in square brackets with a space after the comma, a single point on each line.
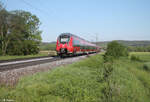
[40, 10]
[49, 13]
[94, 37]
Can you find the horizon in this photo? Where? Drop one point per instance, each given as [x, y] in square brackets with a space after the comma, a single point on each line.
[108, 20]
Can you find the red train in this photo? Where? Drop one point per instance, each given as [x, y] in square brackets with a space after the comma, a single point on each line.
[69, 44]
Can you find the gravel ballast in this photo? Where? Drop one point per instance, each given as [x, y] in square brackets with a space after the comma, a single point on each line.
[11, 77]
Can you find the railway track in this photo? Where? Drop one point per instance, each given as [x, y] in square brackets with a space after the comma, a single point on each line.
[21, 63]
[10, 65]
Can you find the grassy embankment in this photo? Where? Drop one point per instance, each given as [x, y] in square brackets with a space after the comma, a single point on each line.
[89, 80]
[42, 53]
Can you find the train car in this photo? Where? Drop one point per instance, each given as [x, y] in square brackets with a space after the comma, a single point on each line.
[68, 45]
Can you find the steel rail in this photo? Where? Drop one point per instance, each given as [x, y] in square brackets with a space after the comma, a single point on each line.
[16, 65]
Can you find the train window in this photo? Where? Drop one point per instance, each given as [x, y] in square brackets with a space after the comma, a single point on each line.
[64, 39]
[76, 42]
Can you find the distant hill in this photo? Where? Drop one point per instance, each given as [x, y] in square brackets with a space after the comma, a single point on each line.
[52, 45]
[127, 43]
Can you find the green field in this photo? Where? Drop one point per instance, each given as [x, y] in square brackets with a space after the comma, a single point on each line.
[145, 56]
[42, 53]
[20, 57]
[48, 46]
[90, 80]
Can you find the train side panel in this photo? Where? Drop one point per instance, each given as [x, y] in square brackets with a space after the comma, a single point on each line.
[75, 45]
[82, 46]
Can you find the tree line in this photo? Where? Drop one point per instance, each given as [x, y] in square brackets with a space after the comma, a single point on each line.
[19, 32]
[139, 48]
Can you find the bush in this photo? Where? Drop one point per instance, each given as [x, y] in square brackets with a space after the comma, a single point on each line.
[135, 58]
[23, 48]
[146, 66]
[108, 58]
[115, 50]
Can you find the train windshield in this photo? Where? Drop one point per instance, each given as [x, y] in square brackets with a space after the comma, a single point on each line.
[64, 39]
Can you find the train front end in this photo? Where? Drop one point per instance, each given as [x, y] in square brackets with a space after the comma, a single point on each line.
[64, 45]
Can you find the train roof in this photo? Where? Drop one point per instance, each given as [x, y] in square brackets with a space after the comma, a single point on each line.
[69, 34]
[72, 35]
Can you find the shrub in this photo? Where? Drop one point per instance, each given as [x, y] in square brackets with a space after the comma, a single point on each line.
[146, 66]
[135, 58]
[108, 58]
[115, 50]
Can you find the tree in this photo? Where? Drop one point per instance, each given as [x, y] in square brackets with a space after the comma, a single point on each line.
[0, 31]
[26, 32]
[115, 50]
[1, 6]
[4, 29]
[19, 32]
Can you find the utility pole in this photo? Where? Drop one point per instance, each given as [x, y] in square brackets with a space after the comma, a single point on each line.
[96, 38]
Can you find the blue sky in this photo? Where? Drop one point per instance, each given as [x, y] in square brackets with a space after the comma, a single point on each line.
[109, 19]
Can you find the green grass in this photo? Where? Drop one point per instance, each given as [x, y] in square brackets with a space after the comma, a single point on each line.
[7, 57]
[90, 80]
[41, 53]
[48, 46]
[145, 56]
[20, 57]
